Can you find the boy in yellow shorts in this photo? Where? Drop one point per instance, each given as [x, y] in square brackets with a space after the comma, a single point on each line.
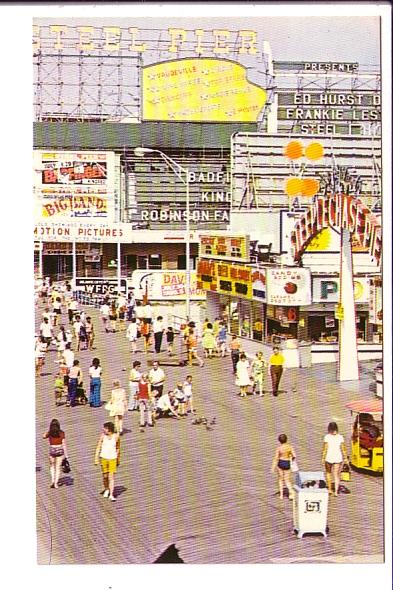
[108, 450]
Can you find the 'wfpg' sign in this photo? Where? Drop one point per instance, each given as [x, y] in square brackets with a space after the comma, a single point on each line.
[100, 286]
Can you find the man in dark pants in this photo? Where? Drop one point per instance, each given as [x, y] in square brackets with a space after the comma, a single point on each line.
[235, 348]
[158, 331]
[276, 363]
[130, 305]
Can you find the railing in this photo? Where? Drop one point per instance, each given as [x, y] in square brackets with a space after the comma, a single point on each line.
[88, 299]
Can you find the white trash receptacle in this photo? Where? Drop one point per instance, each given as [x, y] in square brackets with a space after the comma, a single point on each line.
[310, 504]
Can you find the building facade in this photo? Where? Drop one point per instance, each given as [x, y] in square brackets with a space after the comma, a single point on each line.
[217, 104]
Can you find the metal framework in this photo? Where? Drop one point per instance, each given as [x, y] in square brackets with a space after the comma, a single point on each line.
[260, 169]
[104, 84]
[367, 83]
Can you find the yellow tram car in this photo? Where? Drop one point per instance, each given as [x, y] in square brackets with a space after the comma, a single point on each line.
[367, 435]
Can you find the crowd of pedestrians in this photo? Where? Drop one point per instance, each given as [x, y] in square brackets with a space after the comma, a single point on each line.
[67, 329]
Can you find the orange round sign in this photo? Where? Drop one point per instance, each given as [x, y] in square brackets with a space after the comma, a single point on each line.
[310, 187]
[314, 151]
[293, 150]
[293, 186]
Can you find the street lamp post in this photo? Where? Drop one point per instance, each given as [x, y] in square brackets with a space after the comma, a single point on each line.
[183, 175]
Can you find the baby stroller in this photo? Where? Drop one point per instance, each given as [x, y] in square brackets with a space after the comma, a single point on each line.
[60, 390]
[80, 399]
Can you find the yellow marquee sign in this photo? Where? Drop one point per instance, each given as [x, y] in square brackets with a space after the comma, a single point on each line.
[224, 247]
[200, 89]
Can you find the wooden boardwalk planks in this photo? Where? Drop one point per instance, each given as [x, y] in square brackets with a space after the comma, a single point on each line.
[209, 492]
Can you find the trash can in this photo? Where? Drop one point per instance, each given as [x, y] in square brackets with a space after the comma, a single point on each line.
[305, 354]
[310, 504]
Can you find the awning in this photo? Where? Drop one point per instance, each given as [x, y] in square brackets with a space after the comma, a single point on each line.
[365, 405]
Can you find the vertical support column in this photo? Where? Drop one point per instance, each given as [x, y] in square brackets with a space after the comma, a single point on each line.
[188, 275]
[348, 367]
[40, 262]
[118, 266]
[74, 265]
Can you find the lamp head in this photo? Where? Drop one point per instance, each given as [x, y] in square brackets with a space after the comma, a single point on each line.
[141, 151]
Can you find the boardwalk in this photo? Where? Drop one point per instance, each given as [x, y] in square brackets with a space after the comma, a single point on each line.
[210, 493]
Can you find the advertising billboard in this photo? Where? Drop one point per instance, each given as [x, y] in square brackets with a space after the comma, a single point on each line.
[74, 185]
[200, 89]
[318, 112]
[288, 286]
[165, 285]
[327, 289]
[224, 247]
[259, 284]
[97, 287]
[233, 279]
[375, 302]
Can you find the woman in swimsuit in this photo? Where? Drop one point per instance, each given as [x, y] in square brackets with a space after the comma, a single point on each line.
[282, 463]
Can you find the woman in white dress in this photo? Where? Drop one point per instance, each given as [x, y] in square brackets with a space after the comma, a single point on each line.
[242, 375]
[118, 405]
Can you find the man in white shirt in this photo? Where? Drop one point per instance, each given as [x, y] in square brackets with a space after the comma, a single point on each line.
[166, 405]
[68, 356]
[72, 307]
[147, 313]
[46, 331]
[157, 378]
[47, 314]
[77, 328]
[121, 301]
[105, 309]
[158, 331]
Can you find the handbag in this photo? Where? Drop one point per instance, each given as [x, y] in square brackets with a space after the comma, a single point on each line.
[65, 465]
[346, 473]
[294, 466]
[108, 406]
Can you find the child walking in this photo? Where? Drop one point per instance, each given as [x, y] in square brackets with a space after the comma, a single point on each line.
[187, 388]
[108, 450]
[181, 399]
[282, 464]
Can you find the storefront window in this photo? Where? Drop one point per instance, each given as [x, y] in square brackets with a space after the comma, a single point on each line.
[257, 314]
[155, 261]
[234, 317]
[323, 328]
[278, 331]
[142, 262]
[245, 318]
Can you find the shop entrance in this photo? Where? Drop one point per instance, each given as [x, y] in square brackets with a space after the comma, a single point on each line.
[58, 268]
